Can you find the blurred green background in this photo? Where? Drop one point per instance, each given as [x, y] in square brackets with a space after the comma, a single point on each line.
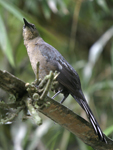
[81, 30]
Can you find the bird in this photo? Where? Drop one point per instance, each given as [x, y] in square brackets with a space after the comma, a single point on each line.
[51, 60]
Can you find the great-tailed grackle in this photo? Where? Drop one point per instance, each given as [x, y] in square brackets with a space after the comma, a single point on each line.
[50, 59]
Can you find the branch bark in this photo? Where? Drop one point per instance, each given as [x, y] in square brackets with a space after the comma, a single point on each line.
[57, 112]
[12, 84]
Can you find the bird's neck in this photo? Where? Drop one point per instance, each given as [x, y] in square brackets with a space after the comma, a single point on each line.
[31, 41]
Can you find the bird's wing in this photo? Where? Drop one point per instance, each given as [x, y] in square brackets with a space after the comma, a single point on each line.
[69, 78]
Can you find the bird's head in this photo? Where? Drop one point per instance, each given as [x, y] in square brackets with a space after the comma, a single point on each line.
[29, 31]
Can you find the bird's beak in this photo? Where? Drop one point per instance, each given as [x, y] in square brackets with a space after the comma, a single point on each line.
[26, 23]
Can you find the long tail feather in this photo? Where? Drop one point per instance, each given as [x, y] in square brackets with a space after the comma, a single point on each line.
[94, 123]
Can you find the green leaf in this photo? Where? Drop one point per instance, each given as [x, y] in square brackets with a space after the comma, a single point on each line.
[12, 9]
[5, 43]
[95, 52]
[112, 59]
[108, 130]
[46, 10]
[101, 85]
[103, 5]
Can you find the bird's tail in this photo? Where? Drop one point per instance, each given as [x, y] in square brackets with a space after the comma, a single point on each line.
[94, 123]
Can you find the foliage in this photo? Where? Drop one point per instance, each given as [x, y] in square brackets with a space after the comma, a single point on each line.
[85, 40]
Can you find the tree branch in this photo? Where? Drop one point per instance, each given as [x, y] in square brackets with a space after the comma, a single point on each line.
[55, 111]
[12, 84]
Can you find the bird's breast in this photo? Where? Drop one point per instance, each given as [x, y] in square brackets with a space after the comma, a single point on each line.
[36, 56]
